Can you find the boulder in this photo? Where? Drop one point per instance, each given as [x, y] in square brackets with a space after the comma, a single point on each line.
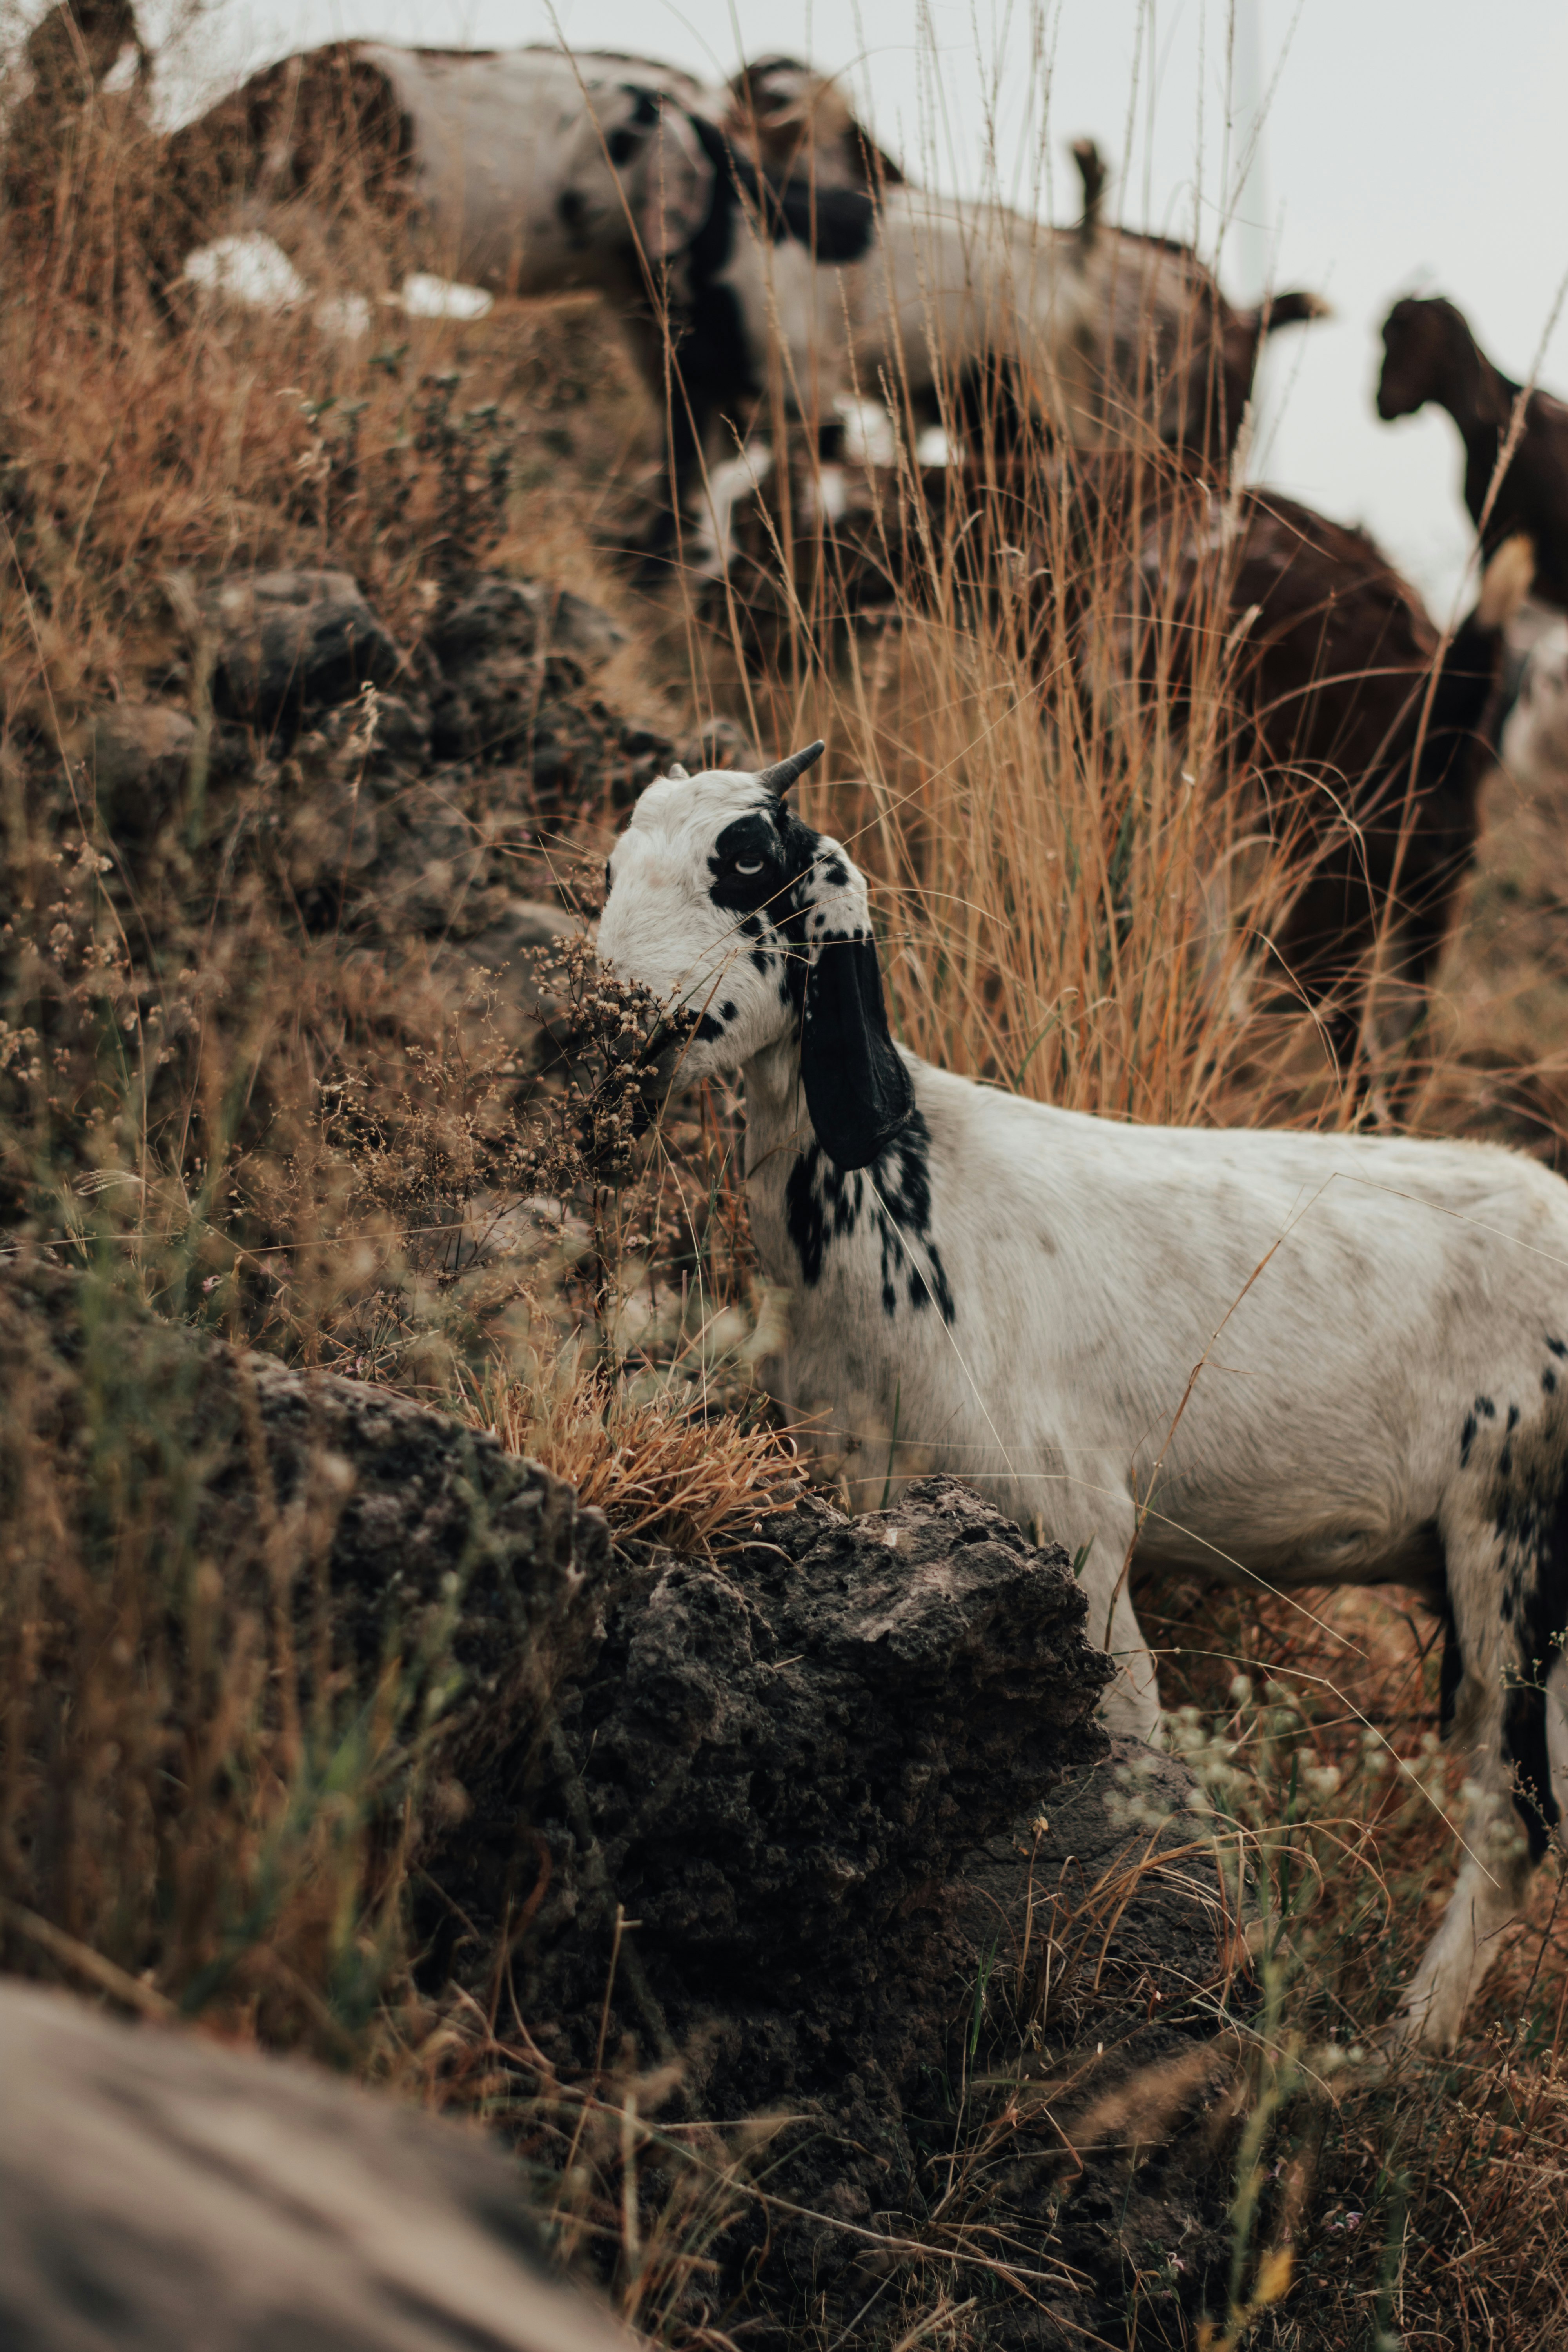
[159, 2191]
[289, 642]
[514, 657]
[826, 1831]
[497, 615]
[138, 755]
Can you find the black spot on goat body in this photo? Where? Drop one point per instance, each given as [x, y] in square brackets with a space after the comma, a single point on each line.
[1482, 1410]
[713, 1024]
[825, 1204]
[1530, 1515]
[570, 212]
[822, 1205]
[1452, 1671]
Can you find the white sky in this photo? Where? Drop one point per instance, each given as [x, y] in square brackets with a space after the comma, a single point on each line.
[1407, 145]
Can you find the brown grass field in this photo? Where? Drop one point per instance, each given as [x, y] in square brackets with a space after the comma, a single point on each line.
[279, 1126]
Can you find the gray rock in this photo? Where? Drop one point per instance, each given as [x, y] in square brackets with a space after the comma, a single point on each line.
[293, 642]
[500, 615]
[720, 743]
[399, 747]
[138, 755]
[157, 2191]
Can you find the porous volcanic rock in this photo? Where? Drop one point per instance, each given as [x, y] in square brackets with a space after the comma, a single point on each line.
[829, 1824]
[498, 616]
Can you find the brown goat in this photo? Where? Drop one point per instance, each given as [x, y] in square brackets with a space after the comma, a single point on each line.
[1429, 353]
[1361, 735]
[1352, 712]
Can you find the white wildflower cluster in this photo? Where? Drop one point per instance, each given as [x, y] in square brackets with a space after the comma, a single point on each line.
[1135, 1804]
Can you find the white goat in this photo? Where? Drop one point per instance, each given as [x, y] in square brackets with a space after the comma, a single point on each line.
[1282, 1358]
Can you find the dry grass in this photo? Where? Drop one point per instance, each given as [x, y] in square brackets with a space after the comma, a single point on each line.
[698, 1482]
[266, 1129]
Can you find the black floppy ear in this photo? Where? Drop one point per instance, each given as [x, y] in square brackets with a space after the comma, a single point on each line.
[856, 1089]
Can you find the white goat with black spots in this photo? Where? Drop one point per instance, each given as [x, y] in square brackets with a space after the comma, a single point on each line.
[1284, 1358]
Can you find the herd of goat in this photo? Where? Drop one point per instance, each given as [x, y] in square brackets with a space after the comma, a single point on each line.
[774, 271]
[1034, 1297]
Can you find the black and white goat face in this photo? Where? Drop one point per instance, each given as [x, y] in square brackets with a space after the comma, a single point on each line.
[731, 911]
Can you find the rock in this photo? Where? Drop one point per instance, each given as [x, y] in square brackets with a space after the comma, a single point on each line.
[778, 1769]
[847, 1786]
[499, 615]
[395, 750]
[293, 642]
[138, 755]
[418, 1518]
[719, 744]
[156, 2190]
[514, 657]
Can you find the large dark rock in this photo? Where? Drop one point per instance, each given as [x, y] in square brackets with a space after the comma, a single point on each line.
[138, 755]
[514, 658]
[289, 642]
[829, 1824]
[498, 618]
[160, 2194]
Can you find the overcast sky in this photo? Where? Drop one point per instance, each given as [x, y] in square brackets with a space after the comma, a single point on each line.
[1406, 145]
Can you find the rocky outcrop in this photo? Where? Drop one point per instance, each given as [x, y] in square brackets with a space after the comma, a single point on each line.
[476, 1573]
[829, 1825]
[157, 2191]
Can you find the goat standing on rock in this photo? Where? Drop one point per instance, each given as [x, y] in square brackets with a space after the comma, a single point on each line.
[1284, 1358]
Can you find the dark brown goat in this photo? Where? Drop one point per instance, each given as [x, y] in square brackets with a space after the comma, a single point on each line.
[1352, 717]
[1429, 353]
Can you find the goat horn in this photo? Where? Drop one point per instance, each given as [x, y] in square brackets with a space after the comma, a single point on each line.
[778, 779]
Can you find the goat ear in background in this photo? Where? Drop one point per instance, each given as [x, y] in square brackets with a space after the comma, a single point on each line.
[675, 186]
[856, 1089]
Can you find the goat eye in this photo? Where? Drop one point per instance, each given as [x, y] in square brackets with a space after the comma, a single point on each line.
[748, 865]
